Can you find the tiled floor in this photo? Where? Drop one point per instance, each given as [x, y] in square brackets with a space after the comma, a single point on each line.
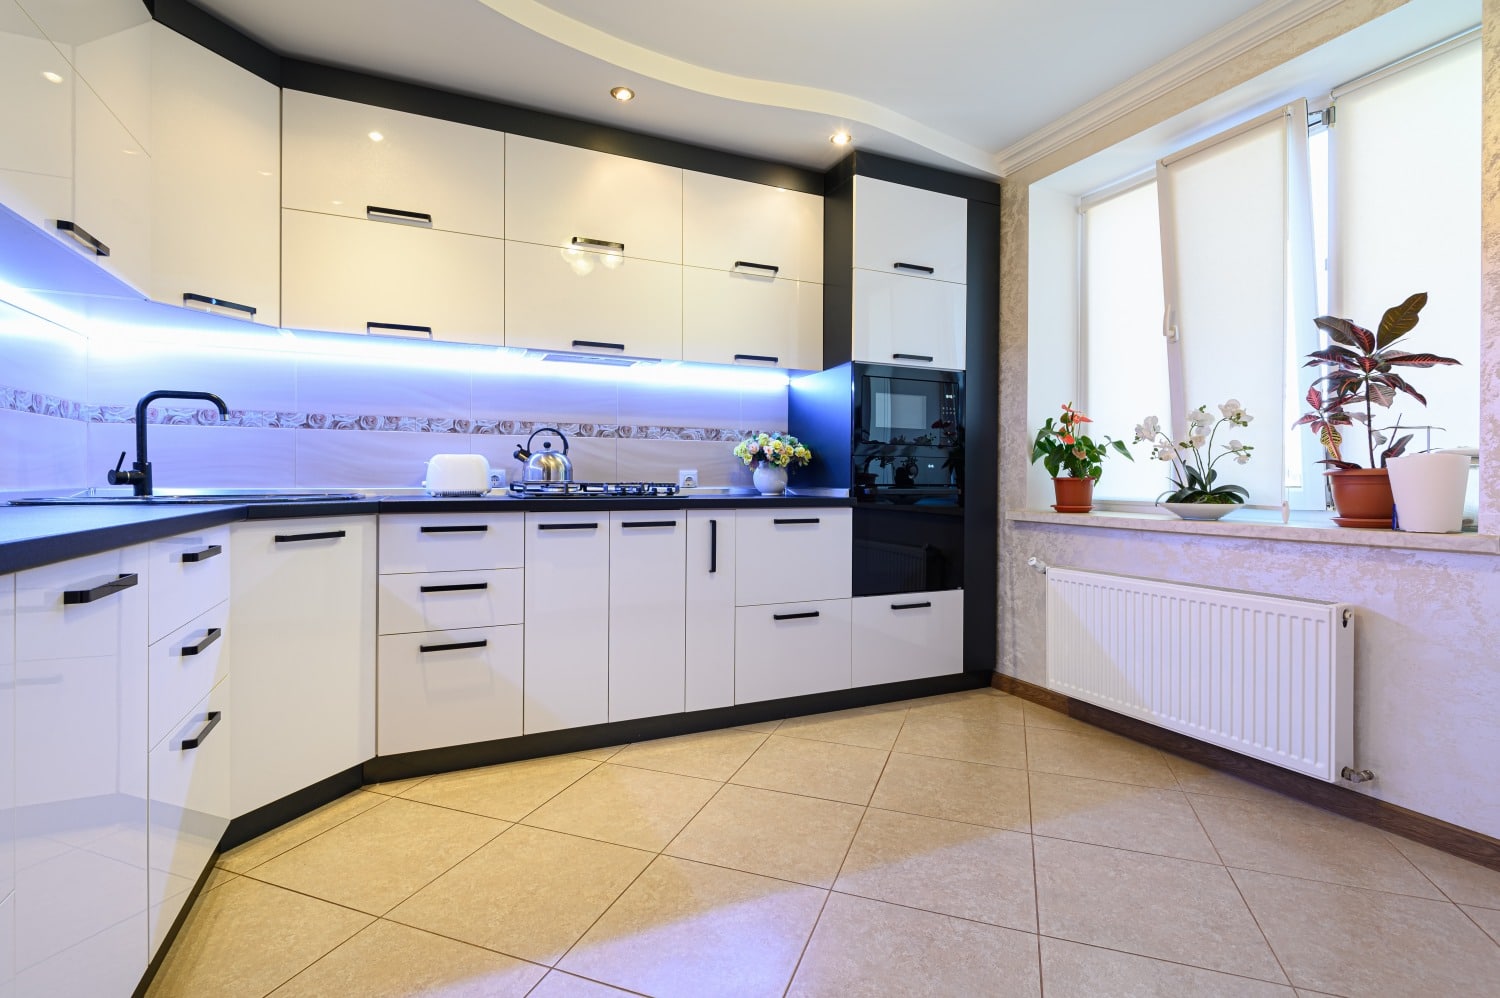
[969, 844]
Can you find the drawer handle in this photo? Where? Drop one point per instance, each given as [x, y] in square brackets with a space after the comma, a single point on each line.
[456, 587]
[322, 535]
[649, 523]
[212, 551]
[603, 244]
[398, 329]
[189, 297]
[77, 232]
[214, 633]
[457, 528]
[567, 526]
[795, 616]
[912, 356]
[911, 606]
[119, 584]
[597, 345]
[713, 546]
[455, 646]
[795, 519]
[755, 356]
[375, 214]
[758, 266]
[213, 722]
[919, 268]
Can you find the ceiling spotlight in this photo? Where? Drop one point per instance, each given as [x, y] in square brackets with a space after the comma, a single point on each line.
[376, 137]
[622, 94]
[841, 138]
[51, 77]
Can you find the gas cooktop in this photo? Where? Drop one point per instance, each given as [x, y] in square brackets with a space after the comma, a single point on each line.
[592, 490]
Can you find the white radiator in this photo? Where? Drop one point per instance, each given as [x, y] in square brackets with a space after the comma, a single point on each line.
[1268, 676]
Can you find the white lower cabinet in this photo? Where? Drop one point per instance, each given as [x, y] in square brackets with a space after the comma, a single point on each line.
[440, 688]
[909, 321]
[647, 593]
[567, 621]
[791, 649]
[184, 666]
[430, 601]
[908, 636]
[710, 608]
[787, 555]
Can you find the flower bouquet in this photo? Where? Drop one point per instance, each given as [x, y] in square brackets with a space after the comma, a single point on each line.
[770, 455]
[1196, 493]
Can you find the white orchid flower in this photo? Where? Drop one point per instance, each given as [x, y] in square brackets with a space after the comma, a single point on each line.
[1148, 429]
[1200, 417]
[1165, 454]
[1198, 440]
[1235, 413]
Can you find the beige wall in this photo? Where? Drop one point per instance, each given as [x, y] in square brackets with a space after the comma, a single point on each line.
[1427, 696]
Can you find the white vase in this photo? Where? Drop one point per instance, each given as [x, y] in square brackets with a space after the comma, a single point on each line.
[769, 479]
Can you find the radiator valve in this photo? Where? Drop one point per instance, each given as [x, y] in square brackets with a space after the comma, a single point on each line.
[1351, 775]
[1037, 565]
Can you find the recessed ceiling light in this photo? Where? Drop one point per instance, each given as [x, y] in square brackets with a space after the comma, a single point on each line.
[376, 137]
[841, 138]
[51, 77]
[622, 94]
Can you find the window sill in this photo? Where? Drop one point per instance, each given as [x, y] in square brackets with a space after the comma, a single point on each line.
[1308, 528]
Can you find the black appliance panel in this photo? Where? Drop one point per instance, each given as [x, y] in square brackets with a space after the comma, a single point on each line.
[908, 432]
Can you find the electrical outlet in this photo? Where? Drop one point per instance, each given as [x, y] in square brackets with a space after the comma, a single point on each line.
[687, 478]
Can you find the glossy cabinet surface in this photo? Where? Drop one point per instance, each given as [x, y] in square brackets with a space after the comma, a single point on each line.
[909, 322]
[36, 118]
[910, 231]
[451, 542]
[109, 43]
[793, 555]
[908, 636]
[189, 574]
[727, 223]
[647, 594]
[427, 601]
[567, 620]
[748, 318]
[452, 687]
[184, 666]
[710, 609]
[791, 649]
[111, 190]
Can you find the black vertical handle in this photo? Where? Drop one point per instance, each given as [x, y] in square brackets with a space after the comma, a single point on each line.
[713, 546]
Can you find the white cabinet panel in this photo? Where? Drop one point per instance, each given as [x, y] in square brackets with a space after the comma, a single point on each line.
[905, 321]
[555, 194]
[791, 649]
[733, 318]
[450, 172]
[449, 688]
[36, 118]
[447, 600]
[184, 666]
[342, 274]
[111, 191]
[451, 542]
[710, 608]
[905, 230]
[189, 573]
[727, 222]
[567, 620]
[109, 43]
[797, 555]
[908, 636]
[567, 300]
[646, 613]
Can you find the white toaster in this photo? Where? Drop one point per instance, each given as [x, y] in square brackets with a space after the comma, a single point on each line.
[458, 475]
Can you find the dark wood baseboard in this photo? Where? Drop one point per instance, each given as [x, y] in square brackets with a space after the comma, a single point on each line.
[1435, 832]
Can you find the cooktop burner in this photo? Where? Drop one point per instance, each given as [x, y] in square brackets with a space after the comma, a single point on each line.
[596, 490]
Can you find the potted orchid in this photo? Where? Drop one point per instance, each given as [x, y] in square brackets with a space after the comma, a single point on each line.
[770, 455]
[1196, 493]
[1062, 446]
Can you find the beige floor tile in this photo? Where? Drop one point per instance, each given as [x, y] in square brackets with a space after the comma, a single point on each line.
[377, 859]
[640, 808]
[1123, 815]
[218, 877]
[869, 949]
[1096, 755]
[1170, 909]
[815, 769]
[244, 858]
[764, 727]
[771, 833]
[871, 727]
[989, 742]
[1347, 941]
[1488, 919]
[1072, 970]
[559, 985]
[1198, 779]
[1461, 880]
[958, 791]
[598, 754]
[970, 871]
[509, 792]
[247, 938]
[530, 893]
[996, 708]
[387, 960]
[394, 788]
[1299, 840]
[709, 755]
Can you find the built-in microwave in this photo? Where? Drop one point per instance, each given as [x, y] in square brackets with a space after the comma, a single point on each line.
[908, 432]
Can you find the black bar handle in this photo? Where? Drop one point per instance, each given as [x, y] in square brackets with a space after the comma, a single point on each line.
[919, 268]
[456, 528]
[588, 243]
[795, 616]
[212, 551]
[758, 266]
[795, 519]
[455, 646]
[911, 606]
[756, 356]
[119, 584]
[912, 356]
[597, 345]
[188, 296]
[375, 214]
[713, 546]
[198, 739]
[455, 587]
[322, 535]
[397, 327]
[77, 232]
[214, 633]
[567, 526]
[649, 523]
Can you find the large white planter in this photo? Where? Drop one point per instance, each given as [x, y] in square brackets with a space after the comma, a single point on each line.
[769, 479]
[1429, 491]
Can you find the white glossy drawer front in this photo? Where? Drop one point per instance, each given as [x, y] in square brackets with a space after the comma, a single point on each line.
[793, 554]
[906, 230]
[449, 688]
[445, 600]
[791, 649]
[909, 322]
[748, 318]
[908, 636]
[189, 573]
[184, 666]
[451, 542]
[729, 224]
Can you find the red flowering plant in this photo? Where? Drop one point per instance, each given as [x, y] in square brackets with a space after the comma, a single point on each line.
[1061, 446]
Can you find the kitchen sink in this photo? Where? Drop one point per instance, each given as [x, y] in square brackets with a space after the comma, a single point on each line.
[185, 497]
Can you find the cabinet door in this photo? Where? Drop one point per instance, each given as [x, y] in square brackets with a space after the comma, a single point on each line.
[109, 43]
[790, 650]
[444, 688]
[426, 601]
[451, 542]
[557, 195]
[111, 192]
[184, 666]
[302, 603]
[905, 230]
[569, 300]
[215, 155]
[747, 318]
[729, 223]
[189, 574]
[647, 589]
[36, 118]
[453, 174]
[567, 620]
[710, 609]
[908, 321]
[345, 275]
[908, 636]
[793, 554]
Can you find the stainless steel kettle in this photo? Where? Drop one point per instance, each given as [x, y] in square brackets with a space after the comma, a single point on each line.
[546, 465]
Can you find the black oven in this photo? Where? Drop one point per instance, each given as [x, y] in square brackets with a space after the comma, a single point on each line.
[908, 434]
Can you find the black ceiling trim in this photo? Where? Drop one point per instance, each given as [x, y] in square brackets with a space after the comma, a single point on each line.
[899, 171]
[220, 37]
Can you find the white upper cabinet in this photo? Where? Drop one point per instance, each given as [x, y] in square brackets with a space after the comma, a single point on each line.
[216, 218]
[735, 225]
[909, 322]
[111, 214]
[36, 118]
[740, 317]
[563, 196]
[343, 158]
[905, 230]
[109, 43]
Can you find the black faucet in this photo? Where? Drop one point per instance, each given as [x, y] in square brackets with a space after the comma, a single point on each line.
[139, 475]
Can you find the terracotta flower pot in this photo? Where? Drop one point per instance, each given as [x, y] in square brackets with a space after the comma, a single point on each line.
[1074, 495]
[1362, 497]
